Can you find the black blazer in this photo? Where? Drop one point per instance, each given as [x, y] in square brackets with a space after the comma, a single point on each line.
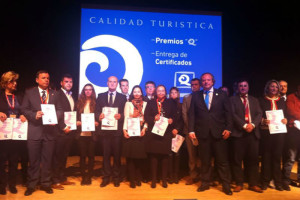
[30, 105]
[238, 113]
[155, 143]
[203, 121]
[102, 101]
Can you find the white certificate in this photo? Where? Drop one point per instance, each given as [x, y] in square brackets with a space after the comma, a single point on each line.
[275, 117]
[20, 129]
[49, 114]
[87, 122]
[177, 142]
[6, 129]
[109, 116]
[70, 119]
[160, 126]
[133, 127]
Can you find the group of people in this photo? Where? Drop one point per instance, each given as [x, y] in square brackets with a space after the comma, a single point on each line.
[232, 130]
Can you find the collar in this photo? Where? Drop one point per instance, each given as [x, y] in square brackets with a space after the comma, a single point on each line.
[65, 92]
[210, 91]
[114, 93]
[41, 90]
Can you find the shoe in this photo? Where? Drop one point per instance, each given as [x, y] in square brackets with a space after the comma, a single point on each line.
[57, 186]
[132, 184]
[227, 191]
[48, 190]
[83, 180]
[286, 187]
[189, 181]
[176, 180]
[203, 188]
[170, 181]
[13, 189]
[295, 184]
[255, 189]
[67, 183]
[238, 188]
[138, 183]
[88, 180]
[279, 188]
[29, 192]
[153, 185]
[264, 186]
[104, 183]
[116, 183]
[3, 190]
[164, 184]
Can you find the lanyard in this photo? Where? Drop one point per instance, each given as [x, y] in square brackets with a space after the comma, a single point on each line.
[159, 104]
[11, 105]
[45, 102]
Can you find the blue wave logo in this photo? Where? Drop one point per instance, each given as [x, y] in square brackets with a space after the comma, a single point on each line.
[95, 67]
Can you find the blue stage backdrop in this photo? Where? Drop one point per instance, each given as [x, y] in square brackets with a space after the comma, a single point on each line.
[164, 47]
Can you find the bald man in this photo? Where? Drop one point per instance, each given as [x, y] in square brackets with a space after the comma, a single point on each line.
[111, 139]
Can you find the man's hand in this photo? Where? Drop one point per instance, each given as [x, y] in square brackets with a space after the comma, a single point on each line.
[226, 134]
[125, 133]
[39, 114]
[170, 121]
[157, 117]
[249, 128]
[174, 132]
[101, 116]
[192, 135]
[67, 130]
[23, 118]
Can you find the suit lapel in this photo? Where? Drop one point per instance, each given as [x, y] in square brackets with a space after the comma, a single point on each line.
[116, 100]
[202, 99]
[106, 98]
[51, 96]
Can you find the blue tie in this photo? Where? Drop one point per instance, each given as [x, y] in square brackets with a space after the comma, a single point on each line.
[207, 98]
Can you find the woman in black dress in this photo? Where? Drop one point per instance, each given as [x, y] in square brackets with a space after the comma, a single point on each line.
[174, 158]
[133, 146]
[271, 144]
[10, 150]
[86, 140]
[159, 147]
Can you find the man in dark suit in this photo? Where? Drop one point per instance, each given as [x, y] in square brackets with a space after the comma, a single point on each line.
[150, 90]
[111, 139]
[41, 138]
[210, 121]
[65, 136]
[245, 135]
[192, 149]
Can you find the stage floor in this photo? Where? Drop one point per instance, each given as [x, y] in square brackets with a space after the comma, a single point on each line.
[124, 192]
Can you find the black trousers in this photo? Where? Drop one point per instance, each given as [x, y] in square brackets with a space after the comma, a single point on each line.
[174, 161]
[219, 149]
[9, 151]
[291, 154]
[111, 147]
[163, 159]
[87, 150]
[62, 148]
[134, 167]
[40, 162]
[272, 150]
[245, 149]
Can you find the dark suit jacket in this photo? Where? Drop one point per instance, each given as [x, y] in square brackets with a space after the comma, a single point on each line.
[30, 105]
[203, 121]
[66, 107]
[185, 109]
[102, 101]
[238, 113]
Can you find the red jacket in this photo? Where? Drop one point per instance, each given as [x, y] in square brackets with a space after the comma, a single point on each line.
[293, 108]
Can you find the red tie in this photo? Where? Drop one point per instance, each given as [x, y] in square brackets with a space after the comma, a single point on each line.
[246, 109]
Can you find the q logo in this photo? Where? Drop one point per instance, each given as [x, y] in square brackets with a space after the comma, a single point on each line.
[182, 79]
[130, 57]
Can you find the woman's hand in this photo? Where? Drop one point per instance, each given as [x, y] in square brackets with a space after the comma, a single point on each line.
[143, 132]
[284, 121]
[266, 121]
[174, 132]
[78, 123]
[170, 121]
[96, 124]
[157, 117]
[125, 133]
[23, 118]
[3, 116]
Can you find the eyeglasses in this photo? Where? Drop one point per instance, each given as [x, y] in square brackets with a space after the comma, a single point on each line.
[150, 86]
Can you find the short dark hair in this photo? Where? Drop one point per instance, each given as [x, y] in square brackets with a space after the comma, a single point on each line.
[150, 82]
[41, 72]
[66, 76]
[196, 79]
[242, 80]
[123, 80]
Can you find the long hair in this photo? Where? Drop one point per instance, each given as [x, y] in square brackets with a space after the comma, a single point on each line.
[83, 99]
[131, 94]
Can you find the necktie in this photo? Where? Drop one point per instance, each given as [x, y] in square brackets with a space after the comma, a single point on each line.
[110, 102]
[207, 99]
[44, 96]
[246, 109]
